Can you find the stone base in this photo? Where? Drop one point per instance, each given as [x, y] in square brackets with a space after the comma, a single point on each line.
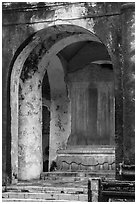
[91, 158]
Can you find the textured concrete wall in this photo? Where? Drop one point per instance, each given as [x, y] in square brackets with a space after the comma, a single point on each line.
[20, 20]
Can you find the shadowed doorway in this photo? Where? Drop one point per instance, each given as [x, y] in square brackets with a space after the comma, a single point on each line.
[45, 121]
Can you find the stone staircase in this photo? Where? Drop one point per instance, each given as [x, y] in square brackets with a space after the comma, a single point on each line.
[53, 186]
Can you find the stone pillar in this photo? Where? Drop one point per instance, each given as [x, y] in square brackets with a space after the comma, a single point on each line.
[94, 187]
[30, 161]
[128, 46]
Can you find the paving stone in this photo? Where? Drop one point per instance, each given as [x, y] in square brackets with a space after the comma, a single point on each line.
[69, 197]
[22, 200]
[83, 197]
[45, 196]
[63, 189]
[16, 195]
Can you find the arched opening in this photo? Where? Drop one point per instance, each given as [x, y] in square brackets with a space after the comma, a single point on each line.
[90, 80]
[58, 52]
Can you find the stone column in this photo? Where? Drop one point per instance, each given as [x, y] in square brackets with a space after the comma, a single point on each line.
[128, 46]
[30, 161]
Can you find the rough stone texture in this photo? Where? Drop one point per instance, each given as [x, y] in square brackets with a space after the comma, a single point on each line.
[30, 118]
[30, 161]
[128, 45]
[11, 42]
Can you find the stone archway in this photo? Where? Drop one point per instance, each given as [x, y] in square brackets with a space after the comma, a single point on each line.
[26, 79]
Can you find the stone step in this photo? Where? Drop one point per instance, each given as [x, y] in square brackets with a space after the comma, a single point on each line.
[44, 196]
[32, 200]
[46, 189]
[64, 186]
[65, 189]
[78, 173]
[81, 175]
[64, 179]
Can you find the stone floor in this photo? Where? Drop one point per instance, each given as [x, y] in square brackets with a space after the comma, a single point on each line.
[53, 186]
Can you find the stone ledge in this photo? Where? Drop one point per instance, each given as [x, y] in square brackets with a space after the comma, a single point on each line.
[88, 150]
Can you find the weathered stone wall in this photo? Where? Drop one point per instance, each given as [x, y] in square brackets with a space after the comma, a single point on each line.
[128, 42]
[20, 20]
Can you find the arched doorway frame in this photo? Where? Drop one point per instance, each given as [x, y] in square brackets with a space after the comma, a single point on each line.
[76, 34]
